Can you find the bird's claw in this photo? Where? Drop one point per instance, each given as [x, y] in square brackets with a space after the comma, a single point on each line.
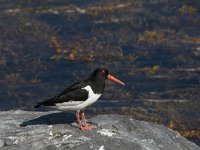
[87, 127]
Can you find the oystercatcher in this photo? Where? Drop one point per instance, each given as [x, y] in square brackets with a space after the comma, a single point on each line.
[81, 95]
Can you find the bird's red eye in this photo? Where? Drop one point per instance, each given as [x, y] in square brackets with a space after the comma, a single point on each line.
[103, 72]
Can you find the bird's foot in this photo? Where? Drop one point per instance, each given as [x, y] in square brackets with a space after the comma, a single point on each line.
[87, 127]
[90, 126]
[84, 126]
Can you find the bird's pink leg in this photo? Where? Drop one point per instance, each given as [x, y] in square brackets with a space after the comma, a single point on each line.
[79, 121]
[86, 125]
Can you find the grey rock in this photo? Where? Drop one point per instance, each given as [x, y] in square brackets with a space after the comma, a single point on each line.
[21, 130]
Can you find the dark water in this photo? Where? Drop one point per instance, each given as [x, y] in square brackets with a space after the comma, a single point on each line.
[153, 46]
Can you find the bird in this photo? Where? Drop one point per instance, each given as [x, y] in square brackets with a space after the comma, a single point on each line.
[80, 95]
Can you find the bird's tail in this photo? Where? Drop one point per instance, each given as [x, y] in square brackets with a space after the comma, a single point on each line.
[38, 105]
[44, 103]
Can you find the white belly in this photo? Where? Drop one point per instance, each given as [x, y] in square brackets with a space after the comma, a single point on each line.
[78, 105]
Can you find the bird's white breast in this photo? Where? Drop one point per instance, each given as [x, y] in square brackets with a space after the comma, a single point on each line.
[92, 97]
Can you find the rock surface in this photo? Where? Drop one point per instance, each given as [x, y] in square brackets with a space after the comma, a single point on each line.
[21, 130]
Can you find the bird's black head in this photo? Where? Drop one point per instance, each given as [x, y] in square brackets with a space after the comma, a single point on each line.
[101, 74]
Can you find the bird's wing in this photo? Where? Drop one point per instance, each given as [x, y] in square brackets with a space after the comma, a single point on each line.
[70, 96]
[77, 85]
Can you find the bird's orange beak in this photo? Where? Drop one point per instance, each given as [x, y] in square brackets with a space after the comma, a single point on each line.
[115, 79]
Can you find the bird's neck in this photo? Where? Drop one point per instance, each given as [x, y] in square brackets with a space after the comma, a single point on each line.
[98, 85]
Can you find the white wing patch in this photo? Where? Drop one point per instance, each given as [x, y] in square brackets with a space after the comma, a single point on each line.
[69, 103]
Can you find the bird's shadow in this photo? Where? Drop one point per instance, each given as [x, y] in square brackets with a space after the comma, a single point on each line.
[51, 119]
